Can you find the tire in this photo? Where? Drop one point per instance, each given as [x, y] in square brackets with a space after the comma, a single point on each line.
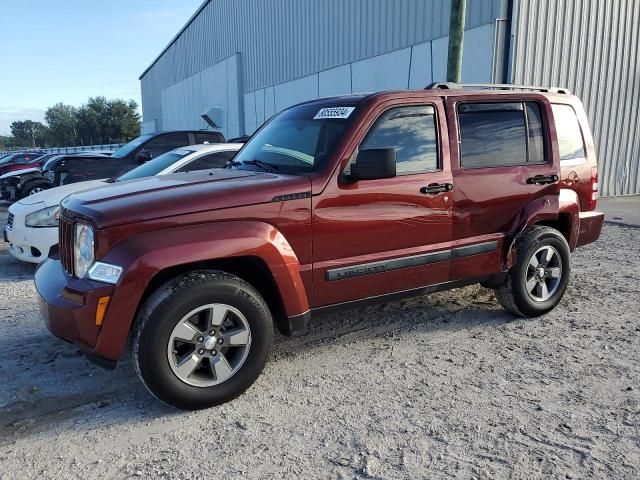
[522, 292]
[163, 361]
[31, 188]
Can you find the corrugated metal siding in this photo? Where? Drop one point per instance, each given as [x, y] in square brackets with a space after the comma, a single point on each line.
[590, 47]
[282, 40]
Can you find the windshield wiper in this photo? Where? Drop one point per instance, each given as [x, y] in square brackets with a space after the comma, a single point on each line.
[264, 165]
[232, 163]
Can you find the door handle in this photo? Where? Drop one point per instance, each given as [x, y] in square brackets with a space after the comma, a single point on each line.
[542, 179]
[434, 188]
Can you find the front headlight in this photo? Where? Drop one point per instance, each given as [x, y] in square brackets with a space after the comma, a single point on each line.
[83, 249]
[47, 217]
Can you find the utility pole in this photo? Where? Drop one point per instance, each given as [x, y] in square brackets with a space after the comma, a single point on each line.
[456, 40]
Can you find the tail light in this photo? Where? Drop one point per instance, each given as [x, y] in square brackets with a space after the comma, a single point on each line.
[594, 189]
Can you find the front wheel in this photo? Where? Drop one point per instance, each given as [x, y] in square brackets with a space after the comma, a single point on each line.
[202, 339]
[538, 280]
[33, 188]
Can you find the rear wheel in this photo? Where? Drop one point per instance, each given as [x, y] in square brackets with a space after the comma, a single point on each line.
[538, 280]
[202, 339]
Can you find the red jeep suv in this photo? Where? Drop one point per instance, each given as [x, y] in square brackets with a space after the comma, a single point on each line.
[333, 203]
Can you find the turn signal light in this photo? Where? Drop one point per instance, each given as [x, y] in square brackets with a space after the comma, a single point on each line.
[103, 303]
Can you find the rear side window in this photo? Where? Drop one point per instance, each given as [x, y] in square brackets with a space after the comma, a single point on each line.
[570, 142]
[411, 131]
[501, 134]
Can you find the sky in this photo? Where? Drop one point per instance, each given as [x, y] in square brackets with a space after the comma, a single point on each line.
[69, 50]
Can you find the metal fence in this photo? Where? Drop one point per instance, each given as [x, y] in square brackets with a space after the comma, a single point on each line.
[110, 147]
[90, 148]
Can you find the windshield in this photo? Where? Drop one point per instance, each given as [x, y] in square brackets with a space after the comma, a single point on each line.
[125, 150]
[298, 140]
[156, 165]
[49, 161]
[39, 158]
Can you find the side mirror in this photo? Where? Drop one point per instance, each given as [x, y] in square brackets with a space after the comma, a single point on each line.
[143, 156]
[374, 163]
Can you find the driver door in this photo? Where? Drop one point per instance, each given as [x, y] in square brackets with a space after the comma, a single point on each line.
[375, 237]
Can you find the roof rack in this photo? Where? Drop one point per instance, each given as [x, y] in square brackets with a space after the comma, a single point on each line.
[494, 86]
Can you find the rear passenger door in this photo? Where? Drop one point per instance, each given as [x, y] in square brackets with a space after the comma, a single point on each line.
[503, 167]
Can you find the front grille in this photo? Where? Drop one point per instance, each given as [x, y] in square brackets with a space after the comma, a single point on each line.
[10, 221]
[65, 241]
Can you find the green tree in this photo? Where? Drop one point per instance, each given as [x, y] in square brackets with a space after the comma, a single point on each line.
[5, 142]
[92, 121]
[96, 122]
[29, 133]
[107, 121]
[62, 120]
[126, 120]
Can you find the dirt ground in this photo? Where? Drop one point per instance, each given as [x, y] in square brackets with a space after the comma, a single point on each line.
[436, 387]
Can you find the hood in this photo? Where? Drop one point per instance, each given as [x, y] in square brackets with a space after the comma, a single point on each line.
[22, 171]
[179, 194]
[55, 195]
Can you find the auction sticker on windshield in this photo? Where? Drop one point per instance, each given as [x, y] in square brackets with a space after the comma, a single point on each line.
[334, 112]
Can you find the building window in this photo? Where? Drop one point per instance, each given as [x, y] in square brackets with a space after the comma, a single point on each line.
[500, 134]
[411, 131]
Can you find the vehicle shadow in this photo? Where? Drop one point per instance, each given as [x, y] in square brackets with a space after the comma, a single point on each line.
[54, 385]
[457, 309]
[13, 269]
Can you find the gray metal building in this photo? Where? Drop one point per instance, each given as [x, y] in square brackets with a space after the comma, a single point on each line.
[249, 59]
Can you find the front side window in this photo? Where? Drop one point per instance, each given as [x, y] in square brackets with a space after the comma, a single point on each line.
[163, 143]
[500, 134]
[570, 142]
[298, 140]
[411, 132]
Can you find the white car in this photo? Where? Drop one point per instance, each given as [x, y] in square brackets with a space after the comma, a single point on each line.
[32, 226]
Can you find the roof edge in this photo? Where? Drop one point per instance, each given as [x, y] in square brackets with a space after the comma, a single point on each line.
[173, 40]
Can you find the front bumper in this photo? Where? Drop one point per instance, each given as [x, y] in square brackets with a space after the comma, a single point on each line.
[68, 306]
[27, 243]
[31, 244]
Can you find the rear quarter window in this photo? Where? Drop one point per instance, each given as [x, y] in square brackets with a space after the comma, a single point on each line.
[570, 140]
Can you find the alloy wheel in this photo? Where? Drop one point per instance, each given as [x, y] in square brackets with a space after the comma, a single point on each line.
[209, 345]
[543, 274]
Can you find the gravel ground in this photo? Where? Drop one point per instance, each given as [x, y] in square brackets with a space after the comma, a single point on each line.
[441, 386]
